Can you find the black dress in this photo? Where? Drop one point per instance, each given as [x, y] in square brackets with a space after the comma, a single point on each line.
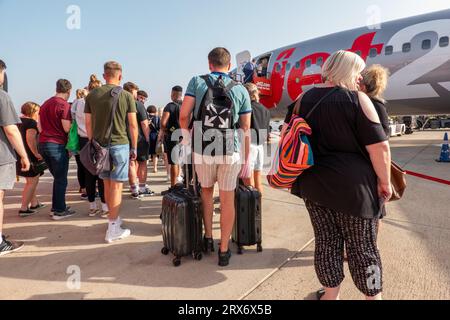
[27, 124]
[382, 113]
[342, 178]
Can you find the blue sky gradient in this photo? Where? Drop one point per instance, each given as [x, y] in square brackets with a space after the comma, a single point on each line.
[162, 44]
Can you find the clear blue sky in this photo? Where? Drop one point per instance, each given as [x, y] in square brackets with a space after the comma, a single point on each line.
[161, 44]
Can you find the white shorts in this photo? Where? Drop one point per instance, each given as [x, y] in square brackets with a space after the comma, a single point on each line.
[256, 157]
[224, 170]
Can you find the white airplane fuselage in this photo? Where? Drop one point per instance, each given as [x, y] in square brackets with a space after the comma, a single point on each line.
[416, 51]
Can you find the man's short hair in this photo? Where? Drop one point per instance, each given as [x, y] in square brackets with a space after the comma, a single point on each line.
[152, 109]
[177, 89]
[63, 86]
[220, 57]
[112, 68]
[142, 93]
[2, 65]
[130, 87]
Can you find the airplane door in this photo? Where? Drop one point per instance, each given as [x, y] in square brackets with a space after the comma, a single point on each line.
[242, 59]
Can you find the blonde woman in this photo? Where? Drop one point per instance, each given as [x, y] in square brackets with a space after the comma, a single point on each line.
[374, 84]
[260, 125]
[29, 131]
[344, 192]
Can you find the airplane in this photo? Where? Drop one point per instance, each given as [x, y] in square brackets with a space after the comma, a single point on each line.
[416, 50]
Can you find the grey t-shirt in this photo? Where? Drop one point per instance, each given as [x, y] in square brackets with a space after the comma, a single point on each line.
[8, 116]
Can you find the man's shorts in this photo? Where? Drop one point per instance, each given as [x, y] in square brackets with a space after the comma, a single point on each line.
[173, 152]
[7, 176]
[143, 151]
[224, 170]
[257, 157]
[120, 161]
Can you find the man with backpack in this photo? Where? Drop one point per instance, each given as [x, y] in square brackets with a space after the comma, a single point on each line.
[170, 123]
[218, 105]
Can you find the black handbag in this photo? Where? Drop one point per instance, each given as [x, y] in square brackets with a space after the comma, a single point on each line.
[39, 167]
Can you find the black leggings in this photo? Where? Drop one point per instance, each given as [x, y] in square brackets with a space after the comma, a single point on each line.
[333, 230]
[91, 181]
[80, 173]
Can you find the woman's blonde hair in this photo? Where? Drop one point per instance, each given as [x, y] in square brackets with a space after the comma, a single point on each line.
[29, 109]
[253, 91]
[94, 83]
[81, 93]
[343, 69]
[375, 79]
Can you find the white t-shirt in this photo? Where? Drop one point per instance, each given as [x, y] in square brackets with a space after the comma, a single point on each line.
[78, 111]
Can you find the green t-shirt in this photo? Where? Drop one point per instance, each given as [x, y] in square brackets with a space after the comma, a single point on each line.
[99, 104]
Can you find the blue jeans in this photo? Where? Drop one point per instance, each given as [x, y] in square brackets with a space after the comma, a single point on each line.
[57, 159]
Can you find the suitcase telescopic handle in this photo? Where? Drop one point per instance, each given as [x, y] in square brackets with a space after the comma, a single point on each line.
[188, 180]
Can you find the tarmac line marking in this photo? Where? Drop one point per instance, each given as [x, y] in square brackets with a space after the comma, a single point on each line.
[425, 177]
[276, 270]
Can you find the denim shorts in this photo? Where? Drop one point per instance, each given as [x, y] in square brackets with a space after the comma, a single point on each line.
[120, 162]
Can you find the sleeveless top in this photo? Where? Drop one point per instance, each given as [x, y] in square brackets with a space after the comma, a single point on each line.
[342, 178]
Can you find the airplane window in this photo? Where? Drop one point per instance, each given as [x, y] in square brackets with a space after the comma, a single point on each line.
[278, 68]
[426, 44]
[320, 61]
[443, 42]
[389, 50]
[297, 80]
[406, 47]
[288, 67]
[297, 65]
[373, 53]
[308, 63]
[359, 53]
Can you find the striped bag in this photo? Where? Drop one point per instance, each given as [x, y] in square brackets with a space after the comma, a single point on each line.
[294, 154]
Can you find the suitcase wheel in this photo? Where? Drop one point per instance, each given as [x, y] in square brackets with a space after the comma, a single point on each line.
[177, 262]
[260, 248]
[165, 251]
[197, 256]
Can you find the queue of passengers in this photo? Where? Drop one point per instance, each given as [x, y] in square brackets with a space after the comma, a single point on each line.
[345, 191]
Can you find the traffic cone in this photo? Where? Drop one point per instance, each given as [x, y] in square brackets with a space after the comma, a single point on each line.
[445, 152]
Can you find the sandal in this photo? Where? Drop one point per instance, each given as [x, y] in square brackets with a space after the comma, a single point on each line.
[320, 294]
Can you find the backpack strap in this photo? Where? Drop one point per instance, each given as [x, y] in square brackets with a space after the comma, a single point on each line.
[115, 94]
[207, 79]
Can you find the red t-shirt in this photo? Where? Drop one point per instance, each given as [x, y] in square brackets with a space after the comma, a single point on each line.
[52, 112]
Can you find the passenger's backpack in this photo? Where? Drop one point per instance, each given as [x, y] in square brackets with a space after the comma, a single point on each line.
[294, 154]
[216, 116]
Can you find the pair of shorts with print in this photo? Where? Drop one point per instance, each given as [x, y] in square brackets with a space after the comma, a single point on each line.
[257, 157]
[225, 170]
[120, 162]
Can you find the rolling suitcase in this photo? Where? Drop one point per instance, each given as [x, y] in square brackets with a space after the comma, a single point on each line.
[182, 223]
[247, 230]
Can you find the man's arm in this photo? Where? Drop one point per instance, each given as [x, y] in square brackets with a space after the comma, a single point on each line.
[186, 111]
[14, 137]
[245, 124]
[133, 128]
[145, 125]
[88, 122]
[66, 125]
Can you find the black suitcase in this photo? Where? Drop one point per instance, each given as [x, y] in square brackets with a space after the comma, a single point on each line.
[247, 229]
[182, 224]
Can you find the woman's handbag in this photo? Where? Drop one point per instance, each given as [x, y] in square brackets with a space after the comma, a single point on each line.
[398, 181]
[39, 167]
[73, 144]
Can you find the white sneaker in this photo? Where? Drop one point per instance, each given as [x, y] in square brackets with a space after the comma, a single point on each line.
[116, 234]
